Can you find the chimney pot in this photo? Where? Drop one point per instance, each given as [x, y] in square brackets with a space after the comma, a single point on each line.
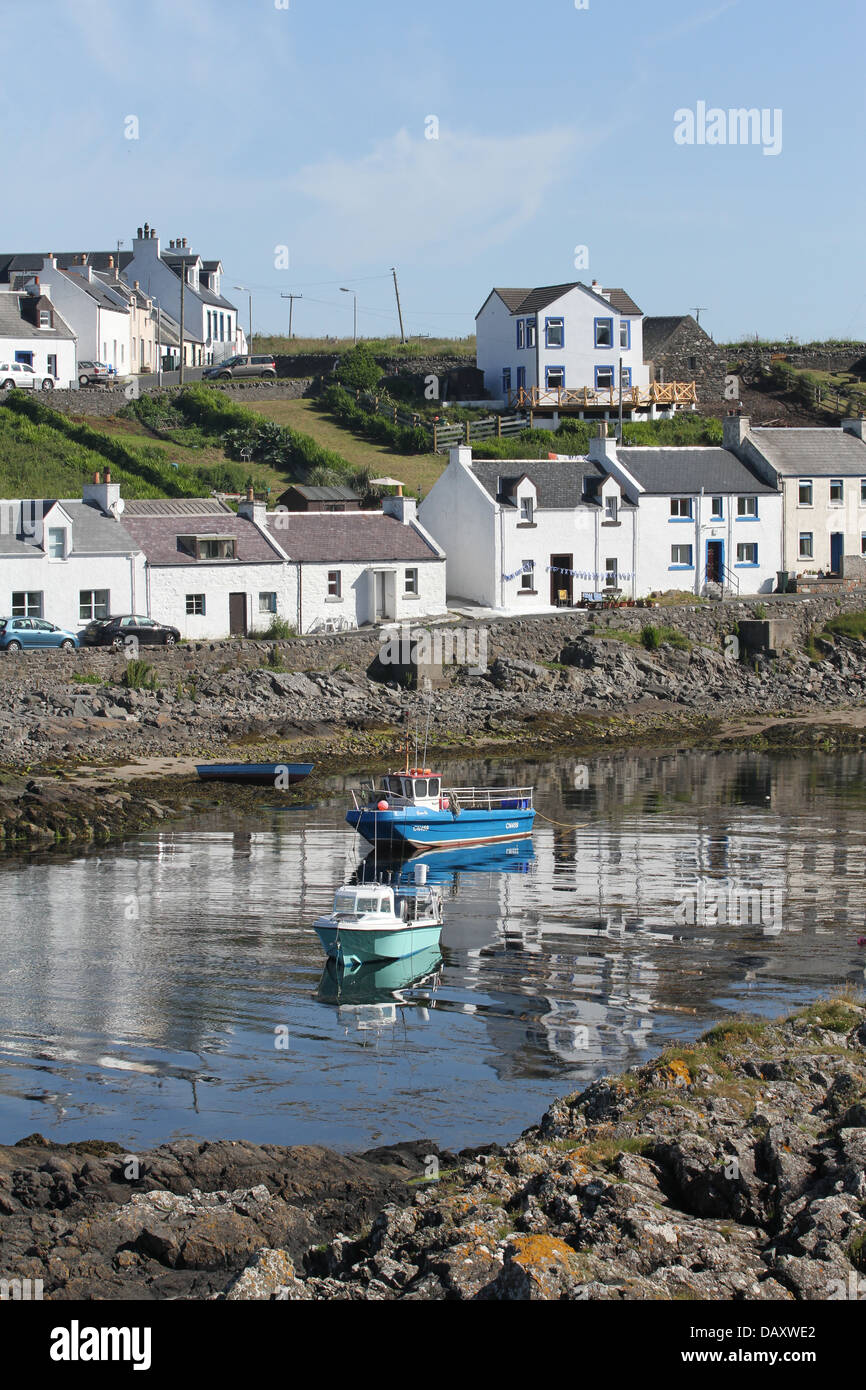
[108, 475]
[138, 229]
[96, 477]
[250, 493]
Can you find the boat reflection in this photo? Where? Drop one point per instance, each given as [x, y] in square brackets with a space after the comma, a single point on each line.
[445, 866]
[412, 981]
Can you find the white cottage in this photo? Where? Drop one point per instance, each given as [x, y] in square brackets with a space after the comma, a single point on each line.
[34, 333]
[560, 337]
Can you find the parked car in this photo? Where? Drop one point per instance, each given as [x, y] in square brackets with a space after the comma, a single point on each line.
[16, 634]
[90, 372]
[243, 366]
[113, 632]
[22, 374]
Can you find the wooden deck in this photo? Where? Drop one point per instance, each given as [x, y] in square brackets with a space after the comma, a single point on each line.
[670, 393]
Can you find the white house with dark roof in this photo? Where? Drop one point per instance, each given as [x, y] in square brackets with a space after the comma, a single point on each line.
[34, 333]
[69, 560]
[530, 535]
[821, 473]
[208, 315]
[559, 336]
[99, 318]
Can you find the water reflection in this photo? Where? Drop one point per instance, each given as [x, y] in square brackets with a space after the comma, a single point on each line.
[143, 989]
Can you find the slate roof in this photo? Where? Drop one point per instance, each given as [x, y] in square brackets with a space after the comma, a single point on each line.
[347, 537]
[157, 537]
[686, 470]
[559, 483]
[93, 533]
[95, 288]
[11, 261]
[657, 331]
[622, 302]
[825, 451]
[12, 325]
[323, 494]
[176, 506]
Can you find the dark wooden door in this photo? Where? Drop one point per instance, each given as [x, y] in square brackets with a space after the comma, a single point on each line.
[238, 615]
[715, 552]
[561, 585]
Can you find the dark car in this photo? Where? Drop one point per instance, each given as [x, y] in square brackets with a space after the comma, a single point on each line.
[115, 632]
[242, 366]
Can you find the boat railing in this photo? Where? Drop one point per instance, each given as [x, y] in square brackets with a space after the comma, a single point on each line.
[492, 798]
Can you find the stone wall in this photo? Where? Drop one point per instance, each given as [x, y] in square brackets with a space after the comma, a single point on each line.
[671, 362]
[850, 358]
[103, 402]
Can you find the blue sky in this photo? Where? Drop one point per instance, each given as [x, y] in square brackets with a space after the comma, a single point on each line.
[262, 127]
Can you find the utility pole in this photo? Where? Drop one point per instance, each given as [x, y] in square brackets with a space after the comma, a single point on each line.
[291, 298]
[158, 347]
[697, 311]
[343, 290]
[619, 430]
[399, 310]
[182, 288]
[244, 290]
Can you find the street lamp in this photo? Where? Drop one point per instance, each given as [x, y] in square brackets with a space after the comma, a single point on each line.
[244, 290]
[355, 320]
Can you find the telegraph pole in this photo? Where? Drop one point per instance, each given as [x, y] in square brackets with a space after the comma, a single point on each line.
[182, 288]
[399, 310]
[291, 298]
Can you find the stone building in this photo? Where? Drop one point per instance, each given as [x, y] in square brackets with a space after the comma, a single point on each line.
[676, 348]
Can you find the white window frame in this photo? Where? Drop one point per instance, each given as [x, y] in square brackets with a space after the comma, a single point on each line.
[805, 483]
[410, 582]
[335, 585]
[54, 531]
[89, 604]
[29, 605]
[806, 552]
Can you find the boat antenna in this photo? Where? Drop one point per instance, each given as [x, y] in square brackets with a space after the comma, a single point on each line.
[427, 727]
[416, 736]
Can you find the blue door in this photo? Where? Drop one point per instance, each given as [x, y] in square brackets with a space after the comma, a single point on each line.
[837, 547]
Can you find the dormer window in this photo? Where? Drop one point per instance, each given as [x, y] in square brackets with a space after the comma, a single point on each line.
[209, 547]
[610, 508]
[44, 318]
[527, 511]
[57, 542]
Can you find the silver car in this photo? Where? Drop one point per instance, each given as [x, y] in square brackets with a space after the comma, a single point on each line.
[21, 374]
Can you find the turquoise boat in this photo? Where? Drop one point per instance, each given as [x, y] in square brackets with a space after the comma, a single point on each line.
[378, 922]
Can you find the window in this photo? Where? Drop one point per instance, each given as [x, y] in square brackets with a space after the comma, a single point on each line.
[506, 380]
[410, 585]
[863, 492]
[747, 554]
[604, 378]
[57, 542]
[554, 333]
[681, 557]
[521, 378]
[611, 572]
[335, 584]
[806, 548]
[554, 378]
[209, 547]
[837, 491]
[27, 605]
[804, 495]
[681, 508]
[863, 543]
[267, 603]
[52, 364]
[625, 333]
[521, 333]
[717, 508]
[527, 579]
[195, 604]
[527, 509]
[604, 333]
[44, 318]
[747, 507]
[610, 508]
[693, 364]
[93, 603]
[530, 333]
[625, 378]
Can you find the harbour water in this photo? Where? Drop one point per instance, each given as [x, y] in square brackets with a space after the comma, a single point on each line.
[173, 986]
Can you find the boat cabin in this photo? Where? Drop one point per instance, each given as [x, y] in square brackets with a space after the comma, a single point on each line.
[373, 900]
[417, 787]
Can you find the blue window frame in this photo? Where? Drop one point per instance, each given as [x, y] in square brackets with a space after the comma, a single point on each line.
[604, 333]
[681, 557]
[605, 377]
[521, 378]
[717, 509]
[747, 509]
[625, 333]
[681, 509]
[554, 333]
[625, 378]
[521, 334]
[747, 555]
[506, 380]
[530, 333]
[554, 377]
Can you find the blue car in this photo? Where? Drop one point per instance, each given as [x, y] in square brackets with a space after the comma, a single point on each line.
[19, 633]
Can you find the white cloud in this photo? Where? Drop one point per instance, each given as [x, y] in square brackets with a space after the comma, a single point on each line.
[460, 193]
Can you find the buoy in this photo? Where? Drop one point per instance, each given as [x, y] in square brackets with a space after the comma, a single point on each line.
[383, 806]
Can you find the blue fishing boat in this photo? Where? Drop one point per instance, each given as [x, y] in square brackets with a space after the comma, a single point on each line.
[411, 810]
[378, 922]
[276, 775]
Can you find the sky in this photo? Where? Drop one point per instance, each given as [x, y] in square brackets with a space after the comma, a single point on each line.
[313, 144]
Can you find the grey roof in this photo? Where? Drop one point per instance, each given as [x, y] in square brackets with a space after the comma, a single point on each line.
[11, 261]
[347, 538]
[823, 451]
[323, 494]
[622, 302]
[657, 331]
[176, 506]
[688, 470]
[93, 533]
[559, 483]
[95, 288]
[174, 260]
[12, 325]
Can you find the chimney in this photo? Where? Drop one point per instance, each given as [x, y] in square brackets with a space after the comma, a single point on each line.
[111, 263]
[184, 243]
[735, 427]
[855, 427]
[460, 453]
[138, 233]
[402, 508]
[105, 495]
[252, 510]
[602, 449]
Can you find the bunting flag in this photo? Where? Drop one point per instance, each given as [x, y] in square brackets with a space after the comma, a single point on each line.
[588, 575]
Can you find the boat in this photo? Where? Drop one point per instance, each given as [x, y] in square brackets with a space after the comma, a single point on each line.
[276, 775]
[382, 922]
[411, 810]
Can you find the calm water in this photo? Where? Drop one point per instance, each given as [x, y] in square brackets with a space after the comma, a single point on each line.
[173, 986]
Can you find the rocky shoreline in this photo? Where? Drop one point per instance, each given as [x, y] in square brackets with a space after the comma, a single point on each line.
[70, 727]
[733, 1168]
